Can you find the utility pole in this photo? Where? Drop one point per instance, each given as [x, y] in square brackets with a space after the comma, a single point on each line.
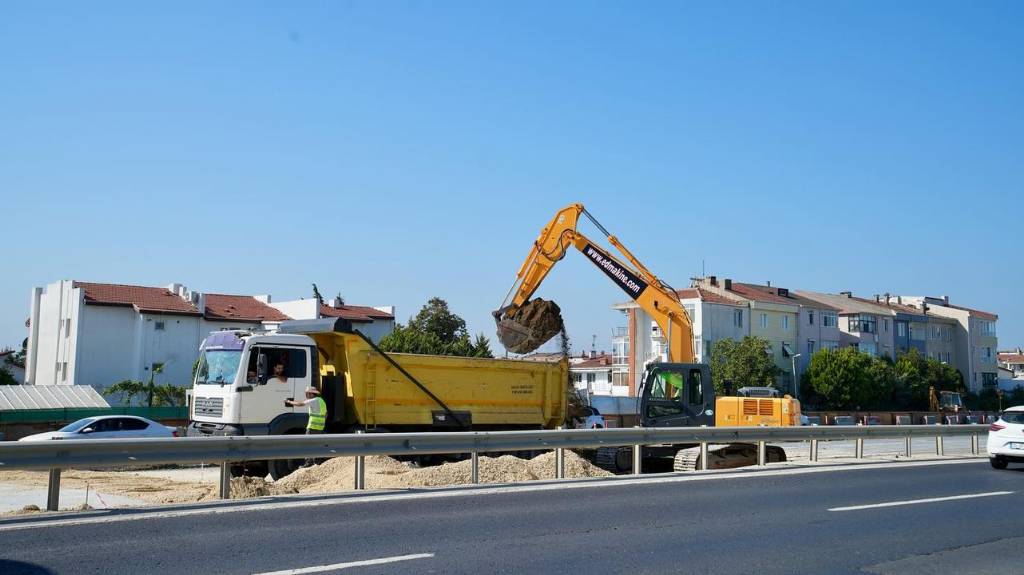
[796, 386]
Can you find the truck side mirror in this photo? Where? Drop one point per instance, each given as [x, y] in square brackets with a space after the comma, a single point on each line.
[261, 369]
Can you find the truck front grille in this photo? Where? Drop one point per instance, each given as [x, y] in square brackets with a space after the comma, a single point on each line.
[210, 406]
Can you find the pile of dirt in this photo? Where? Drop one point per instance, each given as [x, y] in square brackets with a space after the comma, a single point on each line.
[529, 326]
[386, 473]
[245, 487]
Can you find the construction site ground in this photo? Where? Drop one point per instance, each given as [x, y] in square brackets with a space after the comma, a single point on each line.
[25, 491]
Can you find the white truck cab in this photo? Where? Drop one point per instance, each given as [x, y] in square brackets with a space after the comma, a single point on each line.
[243, 380]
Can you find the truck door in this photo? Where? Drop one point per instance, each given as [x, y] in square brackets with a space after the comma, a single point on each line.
[279, 373]
[676, 395]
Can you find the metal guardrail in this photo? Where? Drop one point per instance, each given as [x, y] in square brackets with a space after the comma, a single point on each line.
[92, 453]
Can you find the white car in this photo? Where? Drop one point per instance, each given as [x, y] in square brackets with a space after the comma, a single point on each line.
[1006, 438]
[107, 427]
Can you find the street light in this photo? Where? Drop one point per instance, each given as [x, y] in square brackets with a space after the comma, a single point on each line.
[796, 388]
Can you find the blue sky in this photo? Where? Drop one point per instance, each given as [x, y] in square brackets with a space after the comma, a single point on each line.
[398, 151]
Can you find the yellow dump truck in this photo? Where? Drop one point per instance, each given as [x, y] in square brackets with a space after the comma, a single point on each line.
[243, 380]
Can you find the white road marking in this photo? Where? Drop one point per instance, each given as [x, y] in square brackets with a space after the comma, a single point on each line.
[339, 566]
[916, 501]
[301, 501]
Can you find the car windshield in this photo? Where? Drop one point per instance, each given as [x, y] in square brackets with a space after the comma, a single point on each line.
[218, 366]
[77, 425]
[1013, 416]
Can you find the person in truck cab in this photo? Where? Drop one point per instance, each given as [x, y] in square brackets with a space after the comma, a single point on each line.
[279, 376]
[317, 414]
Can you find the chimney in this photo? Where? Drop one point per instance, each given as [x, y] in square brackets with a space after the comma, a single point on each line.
[337, 302]
[768, 283]
[593, 354]
[728, 283]
[887, 298]
[713, 280]
[945, 300]
[199, 299]
[265, 298]
[899, 299]
[878, 298]
[846, 293]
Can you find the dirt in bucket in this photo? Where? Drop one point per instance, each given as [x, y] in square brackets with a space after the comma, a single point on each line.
[529, 326]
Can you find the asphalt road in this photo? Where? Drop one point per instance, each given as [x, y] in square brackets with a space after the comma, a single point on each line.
[780, 521]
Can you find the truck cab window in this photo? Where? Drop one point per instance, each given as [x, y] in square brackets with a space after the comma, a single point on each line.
[293, 362]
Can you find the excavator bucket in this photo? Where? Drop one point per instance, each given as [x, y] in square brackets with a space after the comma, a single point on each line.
[524, 329]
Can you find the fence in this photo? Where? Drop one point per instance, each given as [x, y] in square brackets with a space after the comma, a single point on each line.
[70, 454]
[69, 414]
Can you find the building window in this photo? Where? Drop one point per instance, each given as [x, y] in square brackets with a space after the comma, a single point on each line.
[901, 329]
[577, 378]
[64, 371]
[863, 324]
[988, 327]
[868, 347]
[989, 379]
[764, 321]
[986, 353]
[810, 348]
[810, 317]
[158, 326]
[67, 327]
[737, 318]
[690, 310]
[829, 320]
[707, 346]
[885, 325]
[591, 378]
[785, 323]
[830, 345]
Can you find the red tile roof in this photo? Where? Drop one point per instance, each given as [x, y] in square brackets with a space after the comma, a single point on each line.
[240, 307]
[603, 360]
[708, 296]
[759, 293]
[143, 299]
[1011, 357]
[975, 312]
[354, 313]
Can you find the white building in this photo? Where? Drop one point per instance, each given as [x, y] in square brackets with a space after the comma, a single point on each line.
[974, 339]
[98, 334]
[592, 375]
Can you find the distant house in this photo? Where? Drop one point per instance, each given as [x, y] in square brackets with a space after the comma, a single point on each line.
[97, 334]
[592, 375]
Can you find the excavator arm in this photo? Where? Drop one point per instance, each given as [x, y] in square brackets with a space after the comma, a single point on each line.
[654, 296]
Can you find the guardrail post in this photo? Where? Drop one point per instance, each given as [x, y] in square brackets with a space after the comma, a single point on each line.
[859, 449]
[910, 446]
[53, 490]
[814, 450]
[360, 470]
[703, 456]
[938, 445]
[474, 467]
[225, 480]
[762, 455]
[638, 455]
[974, 444]
[559, 461]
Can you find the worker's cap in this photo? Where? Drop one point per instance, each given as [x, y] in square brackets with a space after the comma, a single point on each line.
[313, 390]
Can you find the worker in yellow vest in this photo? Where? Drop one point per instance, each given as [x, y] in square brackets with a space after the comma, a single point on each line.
[317, 414]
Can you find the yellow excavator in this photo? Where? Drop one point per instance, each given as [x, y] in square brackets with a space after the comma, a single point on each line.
[675, 392]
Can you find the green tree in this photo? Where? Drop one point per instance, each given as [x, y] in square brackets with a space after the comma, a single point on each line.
[839, 379]
[169, 395]
[126, 389]
[435, 330]
[744, 363]
[915, 373]
[6, 377]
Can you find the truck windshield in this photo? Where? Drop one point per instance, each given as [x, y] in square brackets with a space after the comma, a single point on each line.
[218, 367]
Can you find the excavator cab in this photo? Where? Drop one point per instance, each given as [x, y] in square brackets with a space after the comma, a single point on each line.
[677, 395]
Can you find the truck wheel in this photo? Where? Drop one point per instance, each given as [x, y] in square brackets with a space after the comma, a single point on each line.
[998, 462]
[283, 467]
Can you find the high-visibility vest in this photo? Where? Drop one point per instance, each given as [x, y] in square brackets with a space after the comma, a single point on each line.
[317, 421]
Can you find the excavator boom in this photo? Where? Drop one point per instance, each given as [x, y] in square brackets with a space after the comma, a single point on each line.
[524, 325]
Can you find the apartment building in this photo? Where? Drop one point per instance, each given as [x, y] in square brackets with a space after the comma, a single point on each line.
[975, 343]
[773, 317]
[863, 324]
[97, 334]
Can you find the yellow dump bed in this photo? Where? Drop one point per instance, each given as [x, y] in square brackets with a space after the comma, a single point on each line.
[756, 411]
[494, 393]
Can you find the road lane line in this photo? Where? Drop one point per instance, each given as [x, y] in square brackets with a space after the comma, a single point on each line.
[339, 566]
[916, 501]
[348, 499]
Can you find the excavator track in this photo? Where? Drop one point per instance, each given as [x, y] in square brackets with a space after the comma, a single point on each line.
[614, 459]
[728, 456]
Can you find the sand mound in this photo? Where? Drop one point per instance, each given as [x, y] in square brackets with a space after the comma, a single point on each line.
[386, 473]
